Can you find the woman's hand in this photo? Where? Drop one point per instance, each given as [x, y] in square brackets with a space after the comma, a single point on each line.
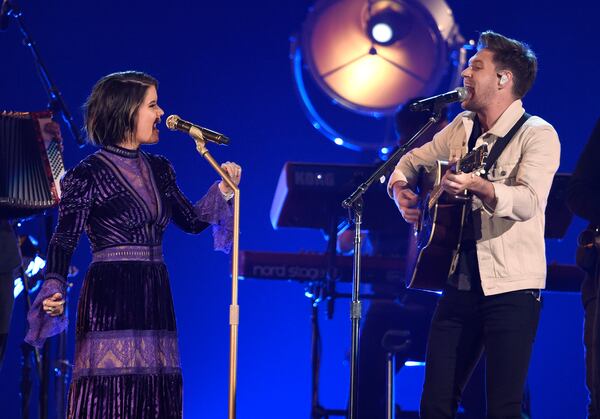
[235, 174]
[55, 305]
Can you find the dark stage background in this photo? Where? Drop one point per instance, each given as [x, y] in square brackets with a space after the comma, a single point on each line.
[225, 65]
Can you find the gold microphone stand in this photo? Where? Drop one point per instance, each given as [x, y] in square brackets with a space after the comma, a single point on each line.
[234, 308]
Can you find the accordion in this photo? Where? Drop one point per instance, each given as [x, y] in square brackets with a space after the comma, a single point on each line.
[31, 165]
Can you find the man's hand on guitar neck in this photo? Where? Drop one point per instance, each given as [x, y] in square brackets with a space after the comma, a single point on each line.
[457, 183]
[406, 201]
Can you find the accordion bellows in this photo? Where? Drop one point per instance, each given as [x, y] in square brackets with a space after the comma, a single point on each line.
[31, 165]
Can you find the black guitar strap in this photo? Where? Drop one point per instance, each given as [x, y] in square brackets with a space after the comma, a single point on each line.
[502, 142]
[475, 133]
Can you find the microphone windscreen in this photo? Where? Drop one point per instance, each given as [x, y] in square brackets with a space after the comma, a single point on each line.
[171, 122]
[463, 93]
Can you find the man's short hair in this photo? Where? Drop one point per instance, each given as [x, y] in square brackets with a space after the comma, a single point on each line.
[515, 56]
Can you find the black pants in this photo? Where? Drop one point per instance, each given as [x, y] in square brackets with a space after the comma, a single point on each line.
[465, 325]
[9, 260]
[591, 334]
[411, 314]
[412, 317]
[6, 306]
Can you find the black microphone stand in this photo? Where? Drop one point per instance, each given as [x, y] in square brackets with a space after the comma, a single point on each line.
[58, 106]
[56, 103]
[29, 355]
[319, 291]
[355, 204]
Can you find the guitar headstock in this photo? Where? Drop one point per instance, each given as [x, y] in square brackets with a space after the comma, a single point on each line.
[474, 161]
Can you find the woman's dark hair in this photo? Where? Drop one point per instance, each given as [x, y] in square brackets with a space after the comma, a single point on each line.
[512, 55]
[111, 110]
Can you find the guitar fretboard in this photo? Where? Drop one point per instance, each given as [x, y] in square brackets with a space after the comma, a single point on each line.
[436, 192]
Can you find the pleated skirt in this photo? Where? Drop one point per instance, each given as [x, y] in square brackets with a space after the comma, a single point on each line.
[126, 353]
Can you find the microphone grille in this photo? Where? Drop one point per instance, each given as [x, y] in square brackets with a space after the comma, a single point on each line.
[462, 93]
[171, 122]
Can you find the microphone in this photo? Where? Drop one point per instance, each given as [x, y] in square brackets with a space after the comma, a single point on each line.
[5, 11]
[175, 123]
[457, 95]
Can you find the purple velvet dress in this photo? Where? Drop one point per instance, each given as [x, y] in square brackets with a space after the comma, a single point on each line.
[126, 353]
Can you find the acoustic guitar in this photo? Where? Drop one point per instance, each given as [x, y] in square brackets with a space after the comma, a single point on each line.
[438, 232]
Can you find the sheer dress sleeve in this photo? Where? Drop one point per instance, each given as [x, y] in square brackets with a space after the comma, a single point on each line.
[73, 211]
[212, 209]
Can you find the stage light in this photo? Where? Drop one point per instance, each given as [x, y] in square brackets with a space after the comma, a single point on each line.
[18, 287]
[369, 57]
[389, 25]
[382, 33]
[414, 364]
[35, 266]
